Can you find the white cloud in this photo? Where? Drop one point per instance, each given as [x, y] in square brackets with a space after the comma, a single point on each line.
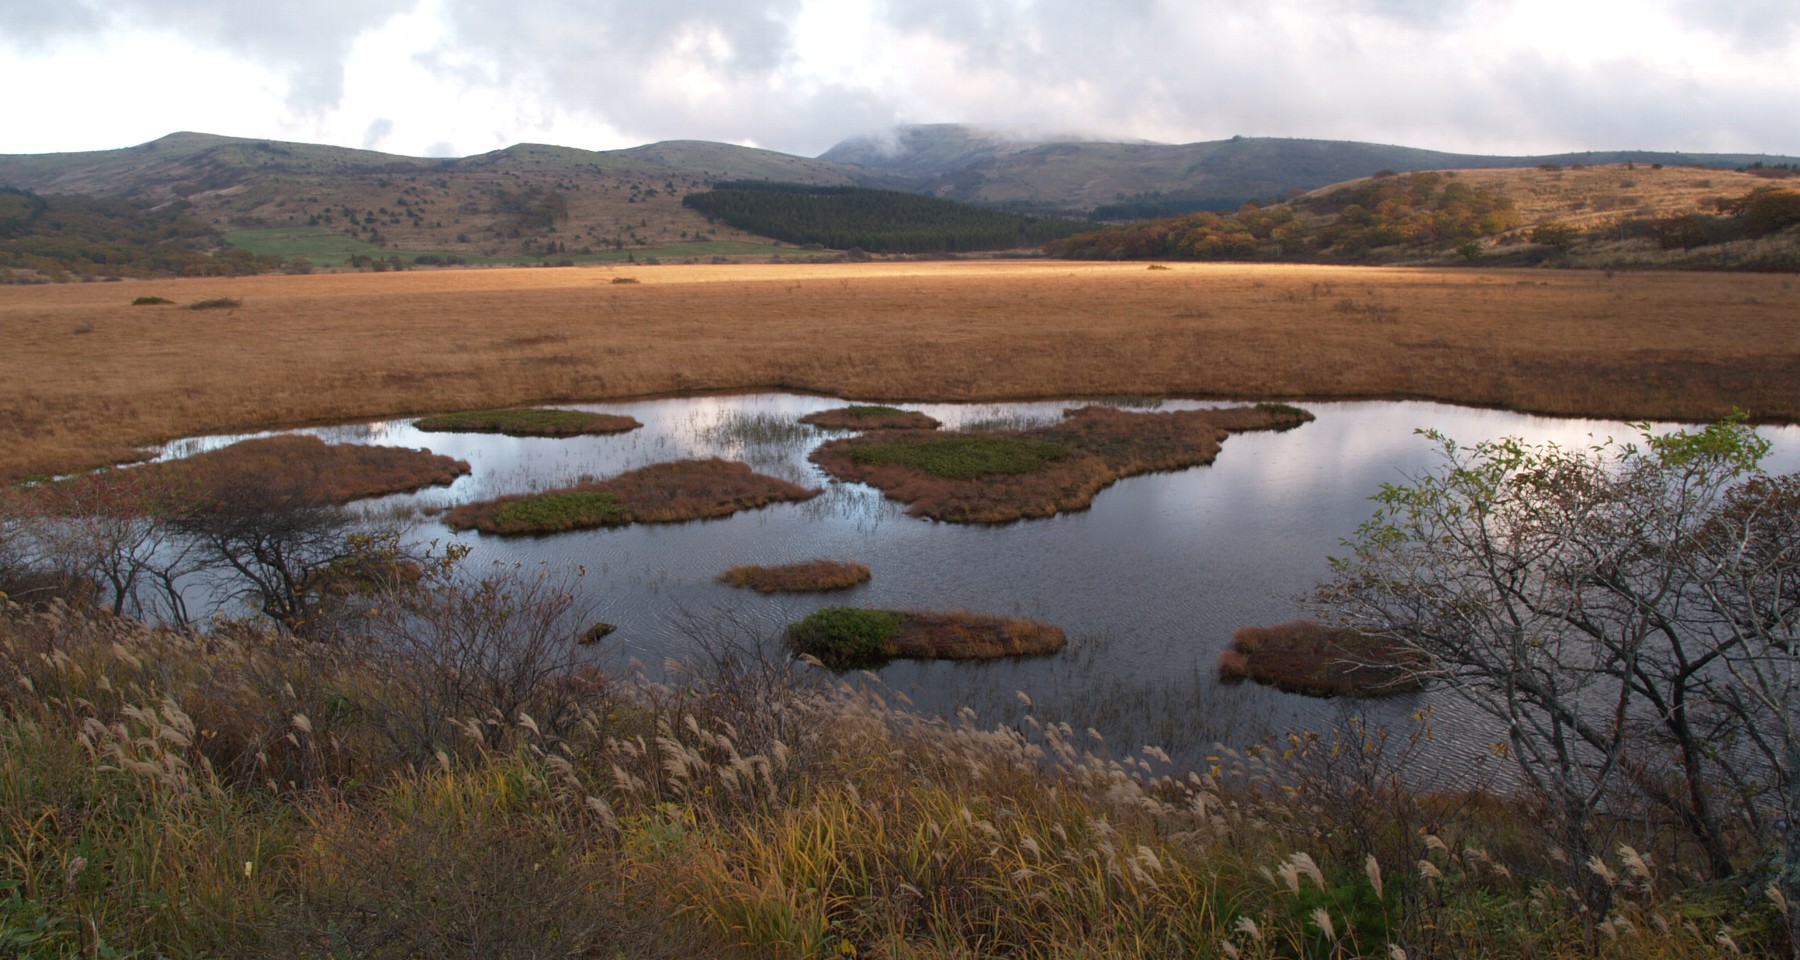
[1510, 76]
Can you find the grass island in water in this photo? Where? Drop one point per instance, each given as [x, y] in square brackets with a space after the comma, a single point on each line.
[998, 476]
[851, 637]
[660, 493]
[805, 577]
[529, 422]
[1320, 661]
[859, 416]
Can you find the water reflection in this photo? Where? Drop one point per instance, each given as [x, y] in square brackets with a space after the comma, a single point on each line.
[1149, 583]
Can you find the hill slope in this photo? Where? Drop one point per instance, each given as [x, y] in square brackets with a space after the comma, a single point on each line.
[532, 201]
[962, 163]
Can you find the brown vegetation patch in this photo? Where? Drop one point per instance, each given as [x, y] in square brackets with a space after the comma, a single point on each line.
[1039, 472]
[1319, 661]
[529, 422]
[660, 493]
[307, 467]
[866, 417]
[961, 635]
[809, 576]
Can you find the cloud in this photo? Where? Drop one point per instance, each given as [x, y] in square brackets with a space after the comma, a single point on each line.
[378, 131]
[1509, 76]
[306, 43]
[710, 69]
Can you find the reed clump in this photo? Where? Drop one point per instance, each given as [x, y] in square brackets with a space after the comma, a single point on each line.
[999, 476]
[1320, 661]
[847, 637]
[862, 416]
[805, 577]
[672, 492]
[235, 792]
[529, 422]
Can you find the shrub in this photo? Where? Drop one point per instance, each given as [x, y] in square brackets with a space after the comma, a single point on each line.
[216, 303]
[846, 636]
[150, 301]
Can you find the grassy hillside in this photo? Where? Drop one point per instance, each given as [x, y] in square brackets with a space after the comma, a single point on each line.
[528, 203]
[1621, 215]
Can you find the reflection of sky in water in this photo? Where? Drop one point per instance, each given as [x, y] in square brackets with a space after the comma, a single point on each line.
[1149, 583]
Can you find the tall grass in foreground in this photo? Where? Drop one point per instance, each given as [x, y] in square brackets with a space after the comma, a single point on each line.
[244, 794]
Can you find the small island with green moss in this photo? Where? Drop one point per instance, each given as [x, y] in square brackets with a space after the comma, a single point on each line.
[529, 422]
[845, 638]
[861, 416]
[809, 576]
[672, 492]
[1320, 661]
[999, 476]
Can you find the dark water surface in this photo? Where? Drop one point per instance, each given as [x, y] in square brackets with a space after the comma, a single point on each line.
[1149, 583]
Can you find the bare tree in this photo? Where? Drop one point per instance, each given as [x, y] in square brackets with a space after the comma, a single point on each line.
[457, 651]
[1587, 601]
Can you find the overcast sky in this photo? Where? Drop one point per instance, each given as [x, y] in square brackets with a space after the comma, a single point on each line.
[459, 77]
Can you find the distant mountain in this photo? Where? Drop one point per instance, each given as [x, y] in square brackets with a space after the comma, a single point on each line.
[545, 203]
[1066, 175]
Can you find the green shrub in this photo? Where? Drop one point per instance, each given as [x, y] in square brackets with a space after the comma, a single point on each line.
[846, 636]
[216, 303]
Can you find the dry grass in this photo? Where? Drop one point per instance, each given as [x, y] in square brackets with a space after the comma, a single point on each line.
[871, 417]
[1316, 660]
[1594, 196]
[960, 635]
[330, 348]
[805, 577]
[319, 472]
[998, 476]
[660, 493]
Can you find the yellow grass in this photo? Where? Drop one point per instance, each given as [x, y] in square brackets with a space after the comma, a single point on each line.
[338, 347]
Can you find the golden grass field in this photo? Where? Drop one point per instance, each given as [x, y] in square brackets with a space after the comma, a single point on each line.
[88, 378]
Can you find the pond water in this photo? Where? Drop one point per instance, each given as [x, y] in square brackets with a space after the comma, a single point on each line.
[1149, 583]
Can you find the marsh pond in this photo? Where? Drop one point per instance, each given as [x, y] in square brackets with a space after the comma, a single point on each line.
[1148, 583]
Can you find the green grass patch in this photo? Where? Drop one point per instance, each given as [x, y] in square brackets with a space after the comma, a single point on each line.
[529, 422]
[846, 637]
[963, 457]
[570, 510]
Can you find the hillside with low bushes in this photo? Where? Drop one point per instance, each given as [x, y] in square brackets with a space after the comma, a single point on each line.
[1618, 216]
